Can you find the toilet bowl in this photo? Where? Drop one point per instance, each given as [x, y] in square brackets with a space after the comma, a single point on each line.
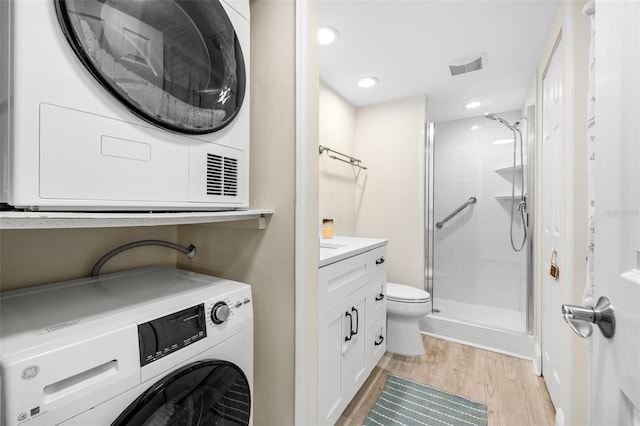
[405, 306]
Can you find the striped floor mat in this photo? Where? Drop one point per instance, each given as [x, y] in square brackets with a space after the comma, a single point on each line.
[404, 402]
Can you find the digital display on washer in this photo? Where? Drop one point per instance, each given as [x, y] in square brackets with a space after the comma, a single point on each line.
[170, 333]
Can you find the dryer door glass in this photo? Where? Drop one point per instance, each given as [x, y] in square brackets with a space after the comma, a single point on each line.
[175, 63]
[202, 393]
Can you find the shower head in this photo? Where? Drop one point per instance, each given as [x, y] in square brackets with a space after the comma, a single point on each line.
[494, 116]
[517, 123]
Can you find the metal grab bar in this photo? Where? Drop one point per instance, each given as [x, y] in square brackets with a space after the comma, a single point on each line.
[471, 200]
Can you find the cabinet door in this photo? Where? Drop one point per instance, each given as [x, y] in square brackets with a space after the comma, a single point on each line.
[342, 360]
[331, 335]
[355, 360]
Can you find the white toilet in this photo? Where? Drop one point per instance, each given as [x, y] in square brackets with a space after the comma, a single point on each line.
[405, 306]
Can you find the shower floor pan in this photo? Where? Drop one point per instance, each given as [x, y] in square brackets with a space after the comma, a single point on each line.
[494, 329]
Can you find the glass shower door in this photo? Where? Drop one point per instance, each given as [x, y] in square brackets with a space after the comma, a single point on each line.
[473, 274]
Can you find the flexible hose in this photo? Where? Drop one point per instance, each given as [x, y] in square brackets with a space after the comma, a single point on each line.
[522, 205]
[190, 251]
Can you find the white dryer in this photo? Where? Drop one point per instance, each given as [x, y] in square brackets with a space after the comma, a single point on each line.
[152, 346]
[124, 105]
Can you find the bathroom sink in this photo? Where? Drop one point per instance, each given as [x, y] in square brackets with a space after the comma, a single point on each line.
[333, 246]
[329, 249]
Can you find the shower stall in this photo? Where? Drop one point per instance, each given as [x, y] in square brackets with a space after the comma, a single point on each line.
[478, 231]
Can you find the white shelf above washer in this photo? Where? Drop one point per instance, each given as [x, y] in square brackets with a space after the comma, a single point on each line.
[61, 220]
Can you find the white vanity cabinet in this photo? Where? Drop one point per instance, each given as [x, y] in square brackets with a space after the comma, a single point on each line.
[352, 327]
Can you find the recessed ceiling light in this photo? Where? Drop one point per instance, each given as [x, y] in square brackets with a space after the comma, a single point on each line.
[367, 82]
[474, 104]
[327, 35]
[476, 127]
[502, 141]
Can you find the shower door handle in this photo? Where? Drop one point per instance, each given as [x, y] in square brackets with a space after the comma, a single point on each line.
[602, 315]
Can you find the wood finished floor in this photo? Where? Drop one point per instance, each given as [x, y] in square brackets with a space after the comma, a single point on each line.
[513, 394]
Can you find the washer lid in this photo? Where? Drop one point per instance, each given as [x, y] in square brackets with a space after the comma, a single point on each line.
[209, 392]
[407, 294]
[175, 63]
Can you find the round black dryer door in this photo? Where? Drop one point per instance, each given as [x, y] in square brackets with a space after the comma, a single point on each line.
[175, 63]
[202, 393]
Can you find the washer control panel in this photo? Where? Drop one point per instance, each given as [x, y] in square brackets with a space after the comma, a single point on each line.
[170, 333]
[229, 309]
[163, 336]
[220, 312]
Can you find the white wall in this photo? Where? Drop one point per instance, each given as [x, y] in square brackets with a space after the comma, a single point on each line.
[473, 258]
[389, 200]
[337, 182]
[386, 200]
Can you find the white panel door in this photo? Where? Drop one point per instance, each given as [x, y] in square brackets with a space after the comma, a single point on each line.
[554, 333]
[615, 365]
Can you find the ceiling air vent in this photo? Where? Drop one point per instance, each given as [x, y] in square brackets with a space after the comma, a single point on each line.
[222, 175]
[468, 64]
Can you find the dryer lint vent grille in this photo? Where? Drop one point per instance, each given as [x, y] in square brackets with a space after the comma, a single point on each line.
[475, 65]
[222, 175]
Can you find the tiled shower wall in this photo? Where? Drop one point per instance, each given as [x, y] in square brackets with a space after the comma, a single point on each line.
[473, 259]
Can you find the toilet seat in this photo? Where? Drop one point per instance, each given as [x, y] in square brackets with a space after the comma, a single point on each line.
[406, 294]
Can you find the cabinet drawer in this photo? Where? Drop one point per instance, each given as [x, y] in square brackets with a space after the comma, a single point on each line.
[377, 302]
[376, 342]
[339, 279]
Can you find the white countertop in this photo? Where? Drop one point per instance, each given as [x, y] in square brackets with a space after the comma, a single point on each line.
[339, 248]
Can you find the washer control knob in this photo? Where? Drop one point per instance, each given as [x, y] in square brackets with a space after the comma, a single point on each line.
[220, 312]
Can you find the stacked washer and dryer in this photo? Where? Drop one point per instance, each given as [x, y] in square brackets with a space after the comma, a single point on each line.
[120, 105]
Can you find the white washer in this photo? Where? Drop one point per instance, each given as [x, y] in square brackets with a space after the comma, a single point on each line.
[147, 346]
[124, 105]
